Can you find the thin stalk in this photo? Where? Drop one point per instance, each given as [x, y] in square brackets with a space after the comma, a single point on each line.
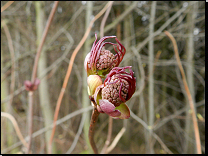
[85, 97]
[151, 76]
[190, 99]
[104, 20]
[6, 5]
[11, 50]
[16, 127]
[30, 120]
[30, 94]
[115, 141]
[50, 18]
[93, 122]
[107, 142]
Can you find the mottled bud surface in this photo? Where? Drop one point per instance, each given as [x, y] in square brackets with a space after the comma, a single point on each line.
[100, 61]
[106, 60]
[111, 91]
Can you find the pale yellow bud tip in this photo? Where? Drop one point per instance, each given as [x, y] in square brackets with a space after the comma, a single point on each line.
[93, 82]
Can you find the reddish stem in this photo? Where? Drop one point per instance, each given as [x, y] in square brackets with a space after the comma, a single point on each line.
[93, 122]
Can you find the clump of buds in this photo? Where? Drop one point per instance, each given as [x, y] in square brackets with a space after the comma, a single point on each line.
[29, 86]
[100, 61]
[109, 96]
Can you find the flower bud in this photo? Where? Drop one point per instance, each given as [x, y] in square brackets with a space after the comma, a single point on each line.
[118, 87]
[100, 61]
[93, 82]
[29, 86]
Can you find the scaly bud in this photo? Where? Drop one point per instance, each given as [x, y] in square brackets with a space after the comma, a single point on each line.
[29, 86]
[93, 82]
[118, 87]
[100, 61]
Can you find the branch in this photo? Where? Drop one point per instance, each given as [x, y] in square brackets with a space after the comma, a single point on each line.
[121, 17]
[30, 94]
[93, 122]
[196, 128]
[151, 132]
[115, 141]
[50, 18]
[6, 5]
[41, 131]
[78, 134]
[11, 50]
[104, 20]
[107, 142]
[16, 127]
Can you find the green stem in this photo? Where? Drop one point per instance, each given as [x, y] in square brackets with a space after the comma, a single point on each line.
[93, 122]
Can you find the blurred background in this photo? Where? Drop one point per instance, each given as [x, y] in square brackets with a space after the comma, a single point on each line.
[160, 102]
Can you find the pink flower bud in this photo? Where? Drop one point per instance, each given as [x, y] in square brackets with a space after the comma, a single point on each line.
[100, 61]
[29, 86]
[118, 87]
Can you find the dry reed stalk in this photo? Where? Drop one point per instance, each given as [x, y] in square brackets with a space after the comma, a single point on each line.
[190, 99]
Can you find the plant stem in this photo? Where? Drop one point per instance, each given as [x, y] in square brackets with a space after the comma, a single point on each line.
[6, 6]
[107, 142]
[93, 122]
[196, 127]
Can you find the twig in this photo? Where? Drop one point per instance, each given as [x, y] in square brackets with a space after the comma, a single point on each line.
[30, 120]
[141, 68]
[56, 63]
[78, 134]
[6, 5]
[16, 127]
[104, 20]
[93, 122]
[50, 18]
[178, 112]
[58, 104]
[151, 132]
[65, 27]
[121, 17]
[196, 128]
[11, 50]
[144, 42]
[107, 142]
[75, 113]
[30, 94]
[142, 83]
[41, 131]
[156, 59]
[115, 141]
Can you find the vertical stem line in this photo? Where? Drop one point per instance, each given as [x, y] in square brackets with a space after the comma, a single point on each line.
[104, 20]
[93, 122]
[107, 142]
[30, 94]
[191, 103]
[50, 18]
[151, 75]
[30, 120]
